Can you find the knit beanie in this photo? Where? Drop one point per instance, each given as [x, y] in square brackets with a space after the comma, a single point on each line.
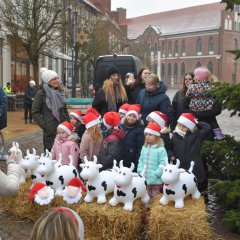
[48, 75]
[112, 70]
[201, 74]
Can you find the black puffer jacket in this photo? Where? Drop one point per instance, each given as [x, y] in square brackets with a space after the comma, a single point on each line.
[187, 149]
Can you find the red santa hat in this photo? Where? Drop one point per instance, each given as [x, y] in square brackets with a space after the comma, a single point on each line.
[159, 117]
[111, 119]
[135, 109]
[77, 114]
[90, 119]
[188, 120]
[124, 108]
[66, 126]
[35, 189]
[94, 111]
[153, 128]
[76, 182]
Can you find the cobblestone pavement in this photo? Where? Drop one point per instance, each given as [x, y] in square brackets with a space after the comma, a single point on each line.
[14, 228]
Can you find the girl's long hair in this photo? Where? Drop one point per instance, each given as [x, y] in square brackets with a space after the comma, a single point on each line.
[184, 88]
[159, 142]
[108, 89]
[95, 134]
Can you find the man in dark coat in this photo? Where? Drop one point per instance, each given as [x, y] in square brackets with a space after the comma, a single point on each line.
[3, 109]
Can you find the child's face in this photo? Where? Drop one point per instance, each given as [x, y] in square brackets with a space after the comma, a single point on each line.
[150, 120]
[74, 121]
[61, 134]
[122, 115]
[131, 118]
[182, 127]
[150, 138]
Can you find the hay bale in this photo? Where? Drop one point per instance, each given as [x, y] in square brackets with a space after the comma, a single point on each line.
[168, 222]
[100, 221]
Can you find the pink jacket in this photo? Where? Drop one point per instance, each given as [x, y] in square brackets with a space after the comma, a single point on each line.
[66, 147]
[88, 147]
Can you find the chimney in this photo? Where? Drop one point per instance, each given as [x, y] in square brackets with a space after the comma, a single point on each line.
[122, 14]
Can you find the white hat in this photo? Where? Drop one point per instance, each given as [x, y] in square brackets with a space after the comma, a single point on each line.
[32, 83]
[48, 75]
[188, 120]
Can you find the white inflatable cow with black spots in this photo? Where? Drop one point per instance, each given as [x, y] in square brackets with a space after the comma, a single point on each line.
[98, 184]
[178, 183]
[128, 187]
[30, 163]
[57, 175]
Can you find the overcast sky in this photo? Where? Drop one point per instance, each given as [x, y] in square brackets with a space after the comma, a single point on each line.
[144, 7]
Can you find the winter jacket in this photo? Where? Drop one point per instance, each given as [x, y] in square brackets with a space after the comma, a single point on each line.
[43, 116]
[29, 95]
[154, 101]
[150, 160]
[3, 109]
[111, 148]
[66, 148]
[9, 183]
[132, 145]
[178, 108]
[100, 103]
[88, 147]
[187, 149]
[133, 92]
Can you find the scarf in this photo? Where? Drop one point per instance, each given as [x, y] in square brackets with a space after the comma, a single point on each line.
[112, 103]
[180, 132]
[54, 99]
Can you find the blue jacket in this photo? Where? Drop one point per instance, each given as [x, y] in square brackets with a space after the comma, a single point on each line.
[3, 109]
[151, 158]
[154, 101]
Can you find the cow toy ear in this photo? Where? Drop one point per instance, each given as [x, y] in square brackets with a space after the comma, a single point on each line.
[99, 165]
[181, 170]
[82, 165]
[134, 174]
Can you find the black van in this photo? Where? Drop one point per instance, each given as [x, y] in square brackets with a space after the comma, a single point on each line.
[124, 63]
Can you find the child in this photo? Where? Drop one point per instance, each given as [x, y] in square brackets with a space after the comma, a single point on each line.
[162, 120]
[76, 121]
[186, 145]
[200, 100]
[111, 146]
[92, 137]
[134, 136]
[59, 223]
[123, 110]
[153, 154]
[65, 143]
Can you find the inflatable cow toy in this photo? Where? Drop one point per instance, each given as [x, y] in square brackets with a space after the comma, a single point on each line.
[30, 163]
[57, 175]
[128, 187]
[178, 183]
[19, 158]
[98, 184]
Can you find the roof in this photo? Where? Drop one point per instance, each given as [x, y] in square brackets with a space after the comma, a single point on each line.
[197, 18]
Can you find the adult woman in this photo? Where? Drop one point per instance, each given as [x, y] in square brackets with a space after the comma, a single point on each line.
[112, 95]
[154, 98]
[3, 109]
[49, 107]
[142, 75]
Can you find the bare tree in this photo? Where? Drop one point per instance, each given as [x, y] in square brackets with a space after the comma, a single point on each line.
[35, 24]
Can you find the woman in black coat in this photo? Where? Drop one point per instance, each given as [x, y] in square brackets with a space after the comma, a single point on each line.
[3, 109]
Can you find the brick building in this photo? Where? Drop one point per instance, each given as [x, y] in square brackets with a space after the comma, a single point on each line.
[174, 42]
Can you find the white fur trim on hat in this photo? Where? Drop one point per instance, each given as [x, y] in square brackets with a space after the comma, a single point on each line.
[186, 122]
[92, 123]
[148, 130]
[134, 112]
[157, 119]
[65, 129]
[76, 116]
[122, 111]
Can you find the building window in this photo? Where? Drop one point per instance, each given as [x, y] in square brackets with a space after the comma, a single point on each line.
[198, 64]
[228, 23]
[239, 26]
[210, 67]
[176, 48]
[169, 49]
[163, 73]
[169, 73]
[182, 71]
[175, 76]
[235, 26]
[235, 43]
[183, 48]
[163, 49]
[199, 46]
[210, 46]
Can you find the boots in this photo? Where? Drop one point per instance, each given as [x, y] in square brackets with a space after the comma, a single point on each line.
[218, 134]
